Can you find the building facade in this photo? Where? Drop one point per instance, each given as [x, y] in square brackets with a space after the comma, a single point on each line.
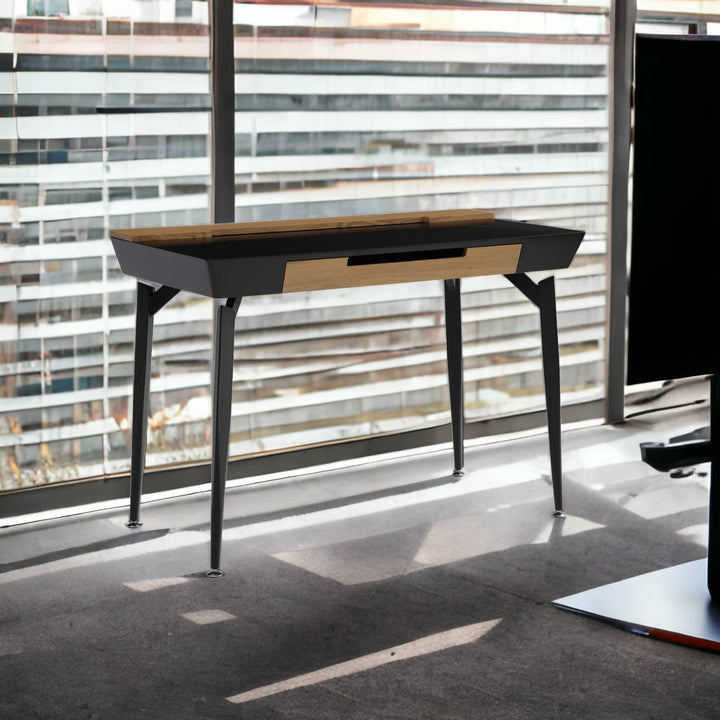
[341, 109]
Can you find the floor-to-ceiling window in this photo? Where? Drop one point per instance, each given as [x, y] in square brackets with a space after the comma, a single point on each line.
[104, 122]
[340, 109]
[362, 108]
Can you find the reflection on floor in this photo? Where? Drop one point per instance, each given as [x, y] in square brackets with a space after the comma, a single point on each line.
[385, 589]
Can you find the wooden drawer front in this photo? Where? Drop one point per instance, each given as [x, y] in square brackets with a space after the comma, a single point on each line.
[330, 273]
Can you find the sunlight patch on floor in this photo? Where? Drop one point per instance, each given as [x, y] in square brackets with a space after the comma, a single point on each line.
[423, 646]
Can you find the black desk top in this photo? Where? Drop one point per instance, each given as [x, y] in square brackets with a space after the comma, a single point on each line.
[243, 263]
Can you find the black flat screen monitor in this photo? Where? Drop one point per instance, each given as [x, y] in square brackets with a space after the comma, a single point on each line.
[674, 278]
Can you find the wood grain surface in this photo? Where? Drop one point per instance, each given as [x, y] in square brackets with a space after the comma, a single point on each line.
[328, 273]
[228, 232]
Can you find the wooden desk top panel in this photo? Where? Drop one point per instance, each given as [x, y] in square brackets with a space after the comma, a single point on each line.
[228, 232]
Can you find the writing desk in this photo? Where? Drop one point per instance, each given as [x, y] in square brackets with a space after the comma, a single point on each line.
[228, 261]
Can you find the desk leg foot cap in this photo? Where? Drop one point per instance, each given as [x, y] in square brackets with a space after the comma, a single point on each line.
[214, 573]
[133, 524]
[458, 473]
[558, 514]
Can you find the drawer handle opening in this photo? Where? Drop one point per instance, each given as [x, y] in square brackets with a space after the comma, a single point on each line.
[406, 256]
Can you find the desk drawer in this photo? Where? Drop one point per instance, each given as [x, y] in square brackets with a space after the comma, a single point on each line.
[328, 273]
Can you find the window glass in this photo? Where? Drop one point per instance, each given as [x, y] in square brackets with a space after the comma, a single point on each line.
[107, 123]
[390, 107]
[340, 109]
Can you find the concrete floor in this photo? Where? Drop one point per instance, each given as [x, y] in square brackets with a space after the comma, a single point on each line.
[375, 591]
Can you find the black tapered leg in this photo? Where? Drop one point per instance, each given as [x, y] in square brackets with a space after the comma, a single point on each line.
[453, 336]
[551, 372]
[149, 301]
[224, 340]
[713, 551]
[542, 294]
[141, 391]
